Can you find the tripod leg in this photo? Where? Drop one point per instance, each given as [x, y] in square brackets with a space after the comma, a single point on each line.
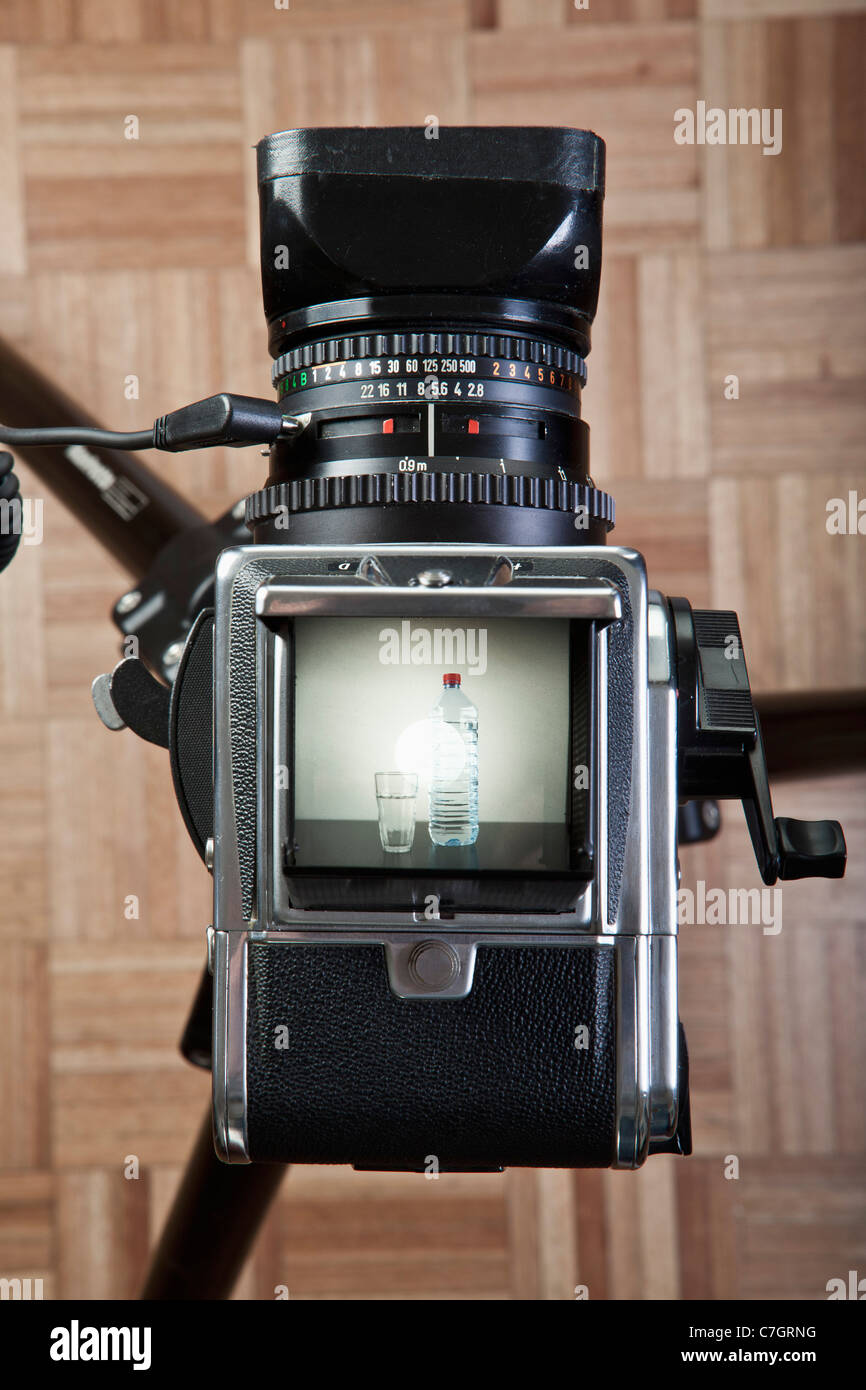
[212, 1225]
[196, 1043]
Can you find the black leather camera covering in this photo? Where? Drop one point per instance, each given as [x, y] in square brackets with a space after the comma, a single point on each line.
[492, 1080]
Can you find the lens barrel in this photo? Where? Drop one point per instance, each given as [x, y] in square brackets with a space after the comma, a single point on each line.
[429, 304]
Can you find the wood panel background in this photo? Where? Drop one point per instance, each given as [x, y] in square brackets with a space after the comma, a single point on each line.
[122, 257]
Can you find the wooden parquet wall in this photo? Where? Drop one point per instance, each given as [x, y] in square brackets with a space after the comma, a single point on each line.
[122, 257]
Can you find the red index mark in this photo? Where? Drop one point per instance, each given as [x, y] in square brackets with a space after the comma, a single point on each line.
[388, 426]
[473, 426]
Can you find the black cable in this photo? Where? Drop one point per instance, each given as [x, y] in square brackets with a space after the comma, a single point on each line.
[106, 439]
[236, 421]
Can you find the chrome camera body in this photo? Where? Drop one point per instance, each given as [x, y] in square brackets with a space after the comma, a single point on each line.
[613, 893]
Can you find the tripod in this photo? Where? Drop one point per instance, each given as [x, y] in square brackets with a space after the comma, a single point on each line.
[170, 549]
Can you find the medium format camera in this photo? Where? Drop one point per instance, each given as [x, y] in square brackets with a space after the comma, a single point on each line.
[450, 727]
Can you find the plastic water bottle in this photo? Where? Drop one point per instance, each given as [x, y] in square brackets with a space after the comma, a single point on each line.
[453, 816]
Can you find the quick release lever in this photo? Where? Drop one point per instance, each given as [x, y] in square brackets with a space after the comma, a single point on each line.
[721, 753]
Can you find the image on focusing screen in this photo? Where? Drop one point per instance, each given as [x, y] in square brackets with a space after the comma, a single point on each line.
[424, 747]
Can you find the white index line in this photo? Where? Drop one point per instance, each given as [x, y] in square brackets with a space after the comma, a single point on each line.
[430, 440]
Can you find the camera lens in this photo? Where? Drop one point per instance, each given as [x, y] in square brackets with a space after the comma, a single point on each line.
[442, 361]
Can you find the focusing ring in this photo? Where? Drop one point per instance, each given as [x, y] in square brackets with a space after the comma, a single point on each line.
[382, 489]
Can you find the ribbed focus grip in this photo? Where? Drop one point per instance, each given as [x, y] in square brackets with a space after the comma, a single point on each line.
[470, 489]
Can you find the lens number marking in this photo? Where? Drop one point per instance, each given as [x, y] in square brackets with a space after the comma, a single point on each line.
[458, 368]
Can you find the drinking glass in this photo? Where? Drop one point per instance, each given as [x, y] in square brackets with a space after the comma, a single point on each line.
[395, 797]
